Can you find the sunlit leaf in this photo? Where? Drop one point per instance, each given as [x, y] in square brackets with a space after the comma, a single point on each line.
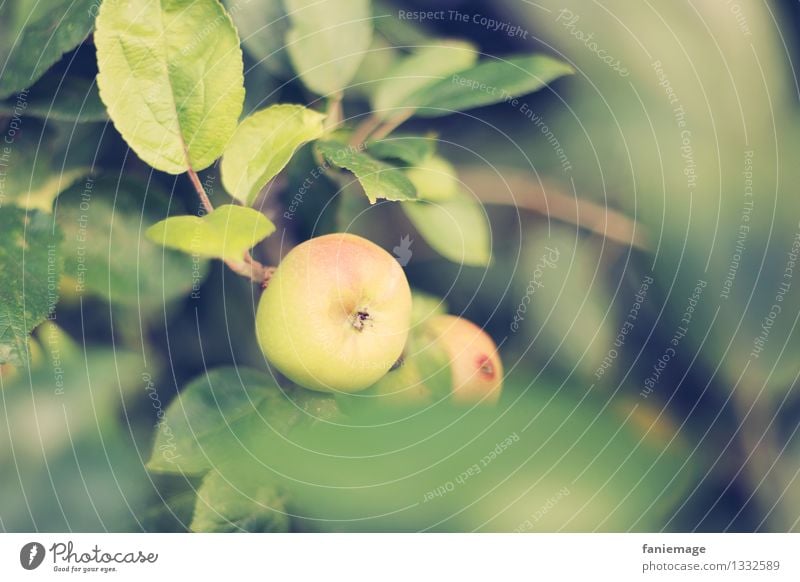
[226, 233]
[262, 146]
[171, 78]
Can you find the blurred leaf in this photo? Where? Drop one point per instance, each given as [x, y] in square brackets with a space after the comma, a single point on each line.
[30, 269]
[411, 149]
[209, 414]
[380, 57]
[457, 229]
[105, 252]
[549, 462]
[42, 161]
[487, 83]
[262, 146]
[398, 31]
[59, 97]
[226, 233]
[378, 179]
[35, 35]
[435, 179]
[62, 448]
[223, 508]
[262, 26]
[569, 306]
[171, 78]
[426, 67]
[328, 40]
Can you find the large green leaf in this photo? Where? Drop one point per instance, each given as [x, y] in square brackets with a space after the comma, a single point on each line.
[220, 507]
[105, 253]
[203, 425]
[379, 180]
[328, 40]
[59, 97]
[427, 66]
[35, 35]
[457, 228]
[171, 78]
[30, 269]
[41, 162]
[262, 146]
[226, 233]
[549, 460]
[487, 83]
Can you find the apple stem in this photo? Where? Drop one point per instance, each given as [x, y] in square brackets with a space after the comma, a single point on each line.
[248, 267]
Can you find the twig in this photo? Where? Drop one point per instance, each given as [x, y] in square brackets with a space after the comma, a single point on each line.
[201, 192]
[392, 124]
[512, 188]
[364, 129]
[334, 111]
[248, 267]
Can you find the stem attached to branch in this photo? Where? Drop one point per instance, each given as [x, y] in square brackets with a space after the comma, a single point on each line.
[364, 129]
[248, 267]
[392, 124]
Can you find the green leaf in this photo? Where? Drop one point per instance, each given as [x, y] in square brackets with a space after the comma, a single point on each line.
[487, 83]
[262, 26]
[553, 459]
[171, 78]
[328, 40]
[211, 413]
[378, 179]
[35, 35]
[105, 252]
[410, 149]
[30, 269]
[435, 179]
[223, 507]
[59, 97]
[457, 229]
[226, 233]
[427, 66]
[37, 164]
[262, 146]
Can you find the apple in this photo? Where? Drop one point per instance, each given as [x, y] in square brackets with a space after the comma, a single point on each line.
[335, 315]
[475, 366]
[420, 378]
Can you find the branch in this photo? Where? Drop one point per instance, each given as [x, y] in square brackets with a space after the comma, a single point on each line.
[513, 188]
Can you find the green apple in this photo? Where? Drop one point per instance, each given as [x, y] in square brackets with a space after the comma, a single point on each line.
[420, 378]
[475, 366]
[336, 314]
